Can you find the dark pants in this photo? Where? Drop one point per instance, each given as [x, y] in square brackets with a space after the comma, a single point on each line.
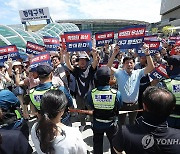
[98, 138]
[132, 115]
[66, 119]
[82, 105]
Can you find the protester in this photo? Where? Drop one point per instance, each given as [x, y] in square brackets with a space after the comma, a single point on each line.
[105, 54]
[151, 133]
[59, 75]
[72, 80]
[128, 81]
[19, 75]
[106, 103]
[5, 80]
[84, 75]
[31, 81]
[49, 135]
[159, 59]
[144, 82]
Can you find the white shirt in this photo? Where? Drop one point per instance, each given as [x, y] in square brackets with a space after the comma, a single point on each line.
[70, 143]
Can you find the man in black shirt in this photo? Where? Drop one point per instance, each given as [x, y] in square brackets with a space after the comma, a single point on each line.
[84, 76]
[151, 133]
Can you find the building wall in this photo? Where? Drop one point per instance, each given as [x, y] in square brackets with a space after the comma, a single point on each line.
[173, 14]
[168, 5]
[170, 11]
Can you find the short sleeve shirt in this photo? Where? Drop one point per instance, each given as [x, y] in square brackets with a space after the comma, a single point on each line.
[128, 85]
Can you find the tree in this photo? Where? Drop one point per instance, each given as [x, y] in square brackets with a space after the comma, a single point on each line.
[154, 30]
[168, 30]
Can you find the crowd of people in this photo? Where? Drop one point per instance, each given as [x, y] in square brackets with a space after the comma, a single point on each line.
[125, 102]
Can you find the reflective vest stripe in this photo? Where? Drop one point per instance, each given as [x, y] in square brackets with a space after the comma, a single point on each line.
[18, 115]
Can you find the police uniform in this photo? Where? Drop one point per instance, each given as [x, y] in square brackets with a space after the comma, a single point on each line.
[12, 118]
[173, 85]
[106, 103]
[13, 141]
[37, 93]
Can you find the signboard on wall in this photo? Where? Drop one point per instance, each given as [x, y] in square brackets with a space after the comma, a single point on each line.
[34, 14]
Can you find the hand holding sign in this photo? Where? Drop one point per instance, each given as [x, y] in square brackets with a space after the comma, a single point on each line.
[64, 52]
[9, 62]
[94, 52]
[116, 50]
[145, 48]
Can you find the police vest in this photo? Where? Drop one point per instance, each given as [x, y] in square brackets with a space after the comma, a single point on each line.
[36, 95]
[174, 87]
[10, 117]
[104, 103]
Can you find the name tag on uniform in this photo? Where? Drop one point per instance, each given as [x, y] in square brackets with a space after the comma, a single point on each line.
[176, 88]
[103, 98]
[37, 98]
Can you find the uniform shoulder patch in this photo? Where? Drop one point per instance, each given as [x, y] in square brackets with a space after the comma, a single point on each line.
[114, 91]
[31, 90]
[94, 90]
[167, 80]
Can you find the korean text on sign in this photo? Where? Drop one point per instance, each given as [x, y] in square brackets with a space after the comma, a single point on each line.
[78, 41]
[103, 38]
[34, 14]
[10, 51]
[51, 43]
[153, 47]
[33, 48]
[131, 37]
[40, 59]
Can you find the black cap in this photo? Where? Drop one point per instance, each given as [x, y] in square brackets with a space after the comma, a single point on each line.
[103, 71]
[44, 70]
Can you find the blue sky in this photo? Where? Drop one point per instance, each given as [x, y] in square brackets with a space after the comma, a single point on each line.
[143, 10]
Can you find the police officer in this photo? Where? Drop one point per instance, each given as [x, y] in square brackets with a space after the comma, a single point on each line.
[106, 103]
[13, 141]
[173, 85]
[12, 118]
[44, 72]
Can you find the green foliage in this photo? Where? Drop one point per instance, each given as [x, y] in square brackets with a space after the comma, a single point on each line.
[167, 30]
[154, 30]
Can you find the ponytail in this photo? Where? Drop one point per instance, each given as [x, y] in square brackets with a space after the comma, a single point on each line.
[46, 131]
[53, 102]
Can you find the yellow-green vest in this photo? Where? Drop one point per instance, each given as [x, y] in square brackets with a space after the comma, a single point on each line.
[104, 103]
[36, 95]
[174, 86]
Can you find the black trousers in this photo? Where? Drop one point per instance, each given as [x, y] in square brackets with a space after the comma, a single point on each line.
[98, 138]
